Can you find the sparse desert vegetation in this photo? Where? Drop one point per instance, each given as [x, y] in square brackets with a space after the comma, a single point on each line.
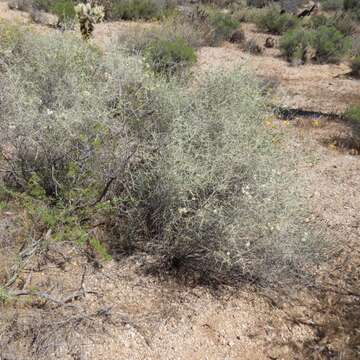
[179, 173]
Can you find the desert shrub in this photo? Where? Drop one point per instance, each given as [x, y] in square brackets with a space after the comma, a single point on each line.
[291, 6]
[295, 43]
[195, 28]
[353, 114]
[10, 39]
[135, 39]
[190, 175]
[207, 186]
[330, 44]
[169, 57]
[238, 36]
[23, 5]
[355, 47]
[343, 23]
[223, 25]
[355, 66]
[136, 9]
[51, 80]
[246, 14]
[332, 5]
[253, 47]
[273, 22]
[64, 9]
[258, 3]
[351, 4]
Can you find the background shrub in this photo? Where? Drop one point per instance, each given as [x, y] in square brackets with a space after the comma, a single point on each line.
[330, 44]
[253, 47]
[245, 14]
[351, 4]
[135, 9]
[343, 23]
[295, 43]
[291, 6]
[273, 22]
[332, 5]
[223, 25]
[355, 66]
[23, 5]
[258, 3]
[64, 9]
[353, 114]
[169, 57]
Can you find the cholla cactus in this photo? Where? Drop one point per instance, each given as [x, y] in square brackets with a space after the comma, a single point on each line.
[88, 15]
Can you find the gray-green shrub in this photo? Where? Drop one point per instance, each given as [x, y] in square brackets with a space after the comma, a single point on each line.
[64, 9]
[273, 22]
[190, 175]
[223, 25]
[295, 43]
[135, 9]
[342, 22]
[332, 5]
[330, 44]
[169, 57]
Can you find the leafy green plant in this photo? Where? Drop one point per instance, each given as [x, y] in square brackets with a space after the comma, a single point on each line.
[169, 57]
[330, 44]
[273, 22]
[295, 43]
